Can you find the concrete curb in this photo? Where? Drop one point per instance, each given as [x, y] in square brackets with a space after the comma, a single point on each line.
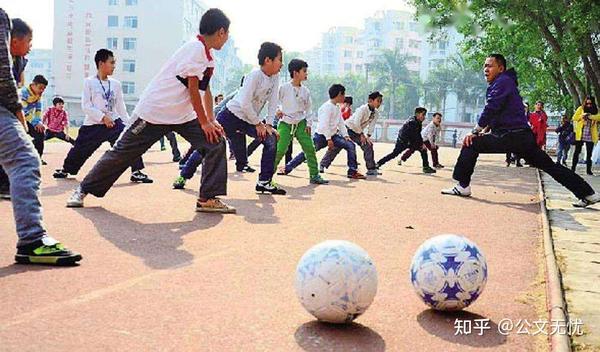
[555, 302]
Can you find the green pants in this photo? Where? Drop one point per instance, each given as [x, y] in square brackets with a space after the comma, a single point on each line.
[286, 132]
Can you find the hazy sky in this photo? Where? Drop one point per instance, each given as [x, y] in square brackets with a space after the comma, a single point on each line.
[295, 28]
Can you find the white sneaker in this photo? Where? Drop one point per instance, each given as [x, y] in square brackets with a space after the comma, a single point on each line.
[589, 200]
[76, 199]
[458, 191]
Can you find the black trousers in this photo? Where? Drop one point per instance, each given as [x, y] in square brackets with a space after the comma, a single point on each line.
[522, 143]
[589, 146]
[38, 138]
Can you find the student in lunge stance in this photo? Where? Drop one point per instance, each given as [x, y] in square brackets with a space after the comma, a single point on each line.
[503, 114]
[241, 116]
[56, 120]
[331, 133]
[105, 118]
[173, 102]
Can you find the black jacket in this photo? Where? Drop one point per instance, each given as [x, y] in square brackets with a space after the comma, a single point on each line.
[410, 133]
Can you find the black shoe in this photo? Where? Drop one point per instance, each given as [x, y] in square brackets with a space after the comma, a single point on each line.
[46, 251]
[176, 159]
[138, 176]
[428, 170]
[5, 193]
[269, 187]
[44, 163]
[246, 169]
[520, 165]
[60, 173]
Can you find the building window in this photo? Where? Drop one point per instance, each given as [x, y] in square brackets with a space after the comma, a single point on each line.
[399, 25]
[399, 43]
[112, 43]
[131, 21]
[129, 43]
[413, 44]
[128, 65]
[112, 2]
[412, 26]
[128, 87]
[347, 53]
[330, 54]
[347, 67]
[349, 40]
[359, 54]
[113, 21]
[131, 2]
[377, 26]
[359, 68]
[443, 45]
[376, 43]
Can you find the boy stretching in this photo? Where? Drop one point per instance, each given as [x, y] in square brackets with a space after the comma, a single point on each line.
[294, 119]
[172, 102]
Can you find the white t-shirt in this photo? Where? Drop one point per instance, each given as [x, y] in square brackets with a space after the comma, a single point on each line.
[257, 90]
[295, 104]
[330, 120]
[166, 100]
[102, 98]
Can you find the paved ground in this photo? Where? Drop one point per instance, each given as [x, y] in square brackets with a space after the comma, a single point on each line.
[158, 276]
[577, 244]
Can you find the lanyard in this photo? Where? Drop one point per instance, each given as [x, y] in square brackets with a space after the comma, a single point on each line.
[106, 94]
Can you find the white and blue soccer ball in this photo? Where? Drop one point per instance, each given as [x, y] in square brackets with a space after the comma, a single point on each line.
[336, 281]
[448, 272]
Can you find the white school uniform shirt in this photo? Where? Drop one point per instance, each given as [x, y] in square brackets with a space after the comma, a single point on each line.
[257, 90]
[166, 100]
[331, 121]
[362, 118]
[295, 104]
[431, 133]
[100, 99]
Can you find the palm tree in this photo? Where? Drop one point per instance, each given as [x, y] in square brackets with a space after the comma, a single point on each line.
[390, 69]
[468, 84]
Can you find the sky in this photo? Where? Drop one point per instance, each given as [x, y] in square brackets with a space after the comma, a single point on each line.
[294, 27]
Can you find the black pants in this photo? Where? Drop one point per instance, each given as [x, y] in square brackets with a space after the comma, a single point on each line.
[89, 139]
[173, 142]
[60, 135]
[402, 145]
[521, 142]
[138, 138]
[38, 139]
[589, 146]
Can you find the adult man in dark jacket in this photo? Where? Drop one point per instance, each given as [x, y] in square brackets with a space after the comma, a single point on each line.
[409, 136]
[504, 116]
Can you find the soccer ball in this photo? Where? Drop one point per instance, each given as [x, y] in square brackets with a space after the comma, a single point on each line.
[336, 281]
[448, 272]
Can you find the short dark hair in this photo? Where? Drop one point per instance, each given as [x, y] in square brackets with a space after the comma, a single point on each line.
[102, 55]
[268, 50]
[437, 114]
[540, 102]
[57, 100]
[217, 97]
[39, 79]
[420, 110]
[20, 29]
[499, 59]
[296, 65]
[213, 20]
[348, 100]
[375, 95]
[335, 90]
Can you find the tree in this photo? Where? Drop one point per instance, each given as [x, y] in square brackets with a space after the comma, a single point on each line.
[390, 70]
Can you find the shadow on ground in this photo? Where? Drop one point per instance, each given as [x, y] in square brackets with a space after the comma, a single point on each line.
[316, 336]
[441, 324]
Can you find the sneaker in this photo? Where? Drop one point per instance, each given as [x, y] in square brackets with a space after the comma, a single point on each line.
[458, 191]
[44, 163]
[318, 180]
[373, 172]
[5, 193]
[590, 173]
[76, 199]
[429, 170]
[231, 156]
[520, 165]
[399, 162]
[179, 183]
[439, 166]
[589, 200]
[281, 171]
[357, 176]
[162, 149]
[321, 169]
[60, 173]
[246, 169]
[214, 205]
[176, 159]
[46, 251]
[269, 187]
[139, 176]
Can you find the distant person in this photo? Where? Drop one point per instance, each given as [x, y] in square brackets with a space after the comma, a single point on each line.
[347, 108]
[539, 124]
[56, 120]
[31, 99]
[566, 137]
[503, 115]
[585, 124]
[431, 134]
